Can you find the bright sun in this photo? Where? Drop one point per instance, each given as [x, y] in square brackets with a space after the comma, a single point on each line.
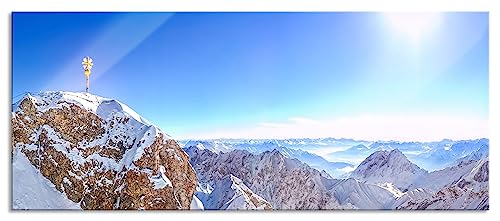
[414, 25]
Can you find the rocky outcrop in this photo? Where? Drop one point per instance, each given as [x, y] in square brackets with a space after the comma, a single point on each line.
[101, 154]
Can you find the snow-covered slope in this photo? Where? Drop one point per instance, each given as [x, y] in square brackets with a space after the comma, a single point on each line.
[98, 153]
[436, 180]
[412, 195]
[31, 190]
[231, 193]
[196, 204]
[350, 192]
[470, 191]
[285, 183]
[388, 167]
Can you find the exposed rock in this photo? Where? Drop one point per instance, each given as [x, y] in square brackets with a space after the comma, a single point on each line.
[101, 154]
[483, 174]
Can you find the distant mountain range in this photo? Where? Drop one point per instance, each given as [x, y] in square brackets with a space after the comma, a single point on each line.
[426, 155]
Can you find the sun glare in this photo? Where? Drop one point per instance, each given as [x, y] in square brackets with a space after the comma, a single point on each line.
[413, 25]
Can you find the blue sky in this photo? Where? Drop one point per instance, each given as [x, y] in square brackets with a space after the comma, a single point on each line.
[208, 75]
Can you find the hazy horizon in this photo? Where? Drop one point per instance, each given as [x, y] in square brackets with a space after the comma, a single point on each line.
[332, 137]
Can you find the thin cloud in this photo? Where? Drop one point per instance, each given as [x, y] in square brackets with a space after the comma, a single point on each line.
[364, 127]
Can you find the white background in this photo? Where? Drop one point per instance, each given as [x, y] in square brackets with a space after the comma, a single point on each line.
[7, 6]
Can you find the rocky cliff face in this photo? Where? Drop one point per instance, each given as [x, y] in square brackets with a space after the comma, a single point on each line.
[99, 153]
[285, 183]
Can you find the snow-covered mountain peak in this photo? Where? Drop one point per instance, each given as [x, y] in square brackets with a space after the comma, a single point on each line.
[396, 154]
[49, 99]
[103, 107]
[95, 151]
[388, 167]
[383, 157]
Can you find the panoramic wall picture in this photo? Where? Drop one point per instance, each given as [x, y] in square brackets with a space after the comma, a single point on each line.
[250, 111]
